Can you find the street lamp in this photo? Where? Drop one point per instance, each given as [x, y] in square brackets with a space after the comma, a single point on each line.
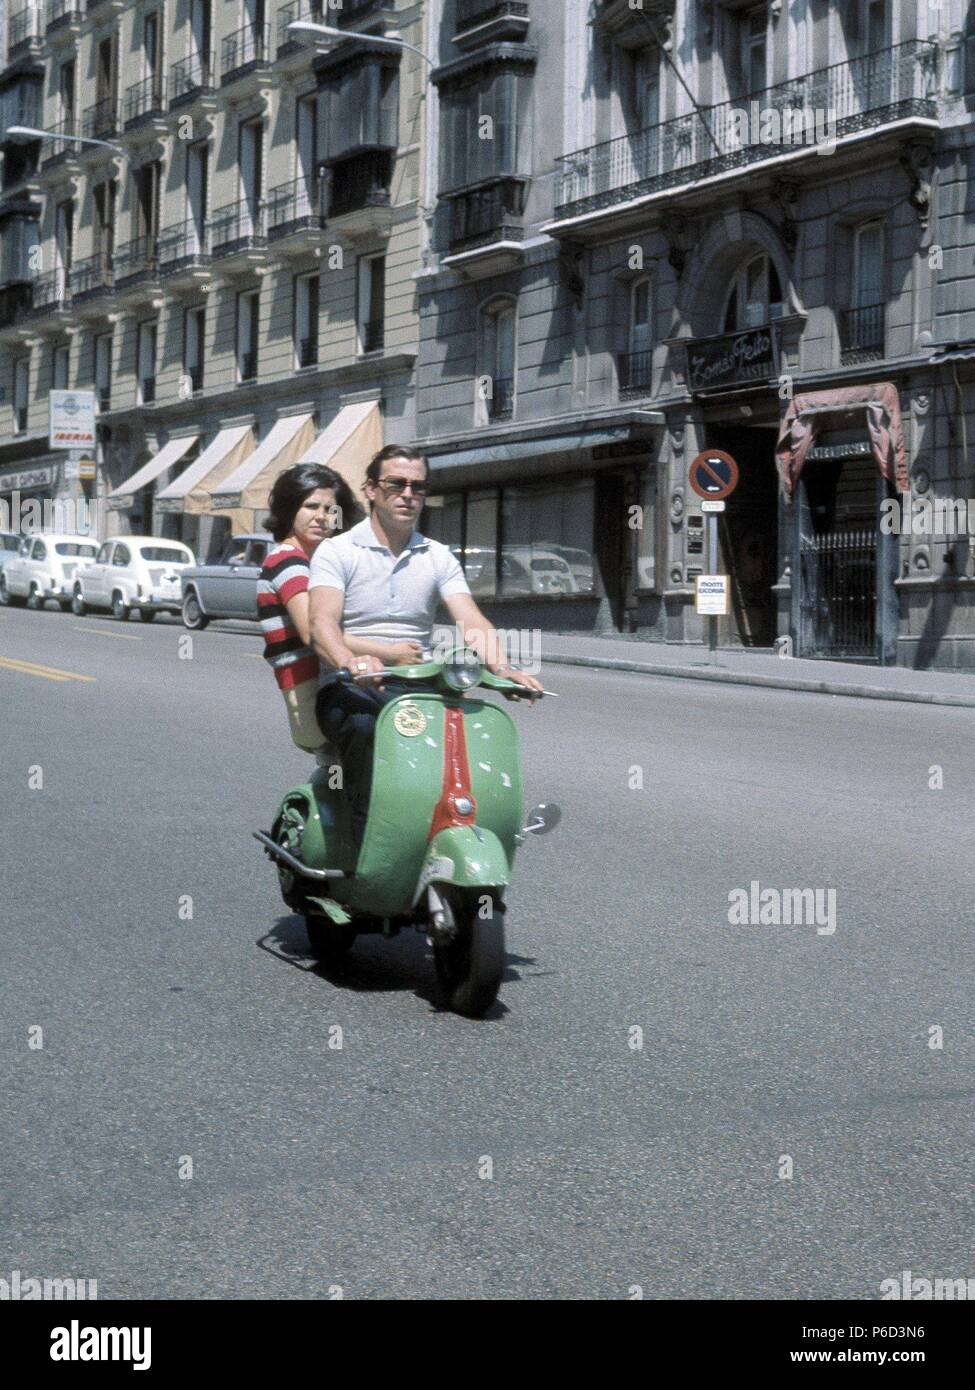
[304, 28]
[27, 132]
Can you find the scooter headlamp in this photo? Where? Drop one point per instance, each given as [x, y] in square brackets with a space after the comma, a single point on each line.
[462, 671]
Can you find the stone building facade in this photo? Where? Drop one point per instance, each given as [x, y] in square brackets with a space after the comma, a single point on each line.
[706, 225]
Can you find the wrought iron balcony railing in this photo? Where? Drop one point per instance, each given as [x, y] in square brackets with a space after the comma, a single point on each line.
[145, 98]
[191, 77]
[64, 146]
[62, 13]
[100, 121]
[24, 26]
[51, 291]
[135, 260]
[243, 50]
[484, 215]
[237, 227]
[360, 181]
[311, 10]
[863, 333]
[860, 94]
[634, 371]
[294, 206]
[473, 12]
[501, 402]
[91, 276]
[182, 245]
[308, 351]
[19, 105]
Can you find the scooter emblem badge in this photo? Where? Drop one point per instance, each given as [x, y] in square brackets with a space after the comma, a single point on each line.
[409, 720]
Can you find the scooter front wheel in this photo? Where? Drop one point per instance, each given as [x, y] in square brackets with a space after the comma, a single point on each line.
[330, 942]
[470, 965]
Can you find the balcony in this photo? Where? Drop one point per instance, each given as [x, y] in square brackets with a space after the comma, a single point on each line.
[295, 217]
[863, 336]
[61, 154]
[193, 81]
[634, 371]
[100, 122]
[136, 268]
[501, 402]
[237, 235]
[351, 13]
[184, 255]
[24, 39]
[357, 194]
[490, 21]
[64, 19]
[486, 228]
[20, 104]
[51, 299]
[145, 104]
[92, 285]
[373, 335]
[288, 47]
[308, 352]
[245, 59]
[688, 153]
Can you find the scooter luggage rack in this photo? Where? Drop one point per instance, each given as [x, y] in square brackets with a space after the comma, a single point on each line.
[296, 864]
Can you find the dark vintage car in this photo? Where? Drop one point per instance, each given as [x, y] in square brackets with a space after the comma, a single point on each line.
[227, 588]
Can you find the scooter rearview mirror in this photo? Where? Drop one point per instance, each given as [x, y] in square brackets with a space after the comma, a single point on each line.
[542, 818]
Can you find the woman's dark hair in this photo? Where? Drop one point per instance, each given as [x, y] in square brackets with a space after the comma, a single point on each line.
[297, 483]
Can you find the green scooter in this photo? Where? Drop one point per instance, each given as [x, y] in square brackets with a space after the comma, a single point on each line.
[445, 819]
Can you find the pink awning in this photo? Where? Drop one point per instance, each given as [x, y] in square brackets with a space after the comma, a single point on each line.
[803, 417]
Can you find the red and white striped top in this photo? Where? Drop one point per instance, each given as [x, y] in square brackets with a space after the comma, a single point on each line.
[284, 574]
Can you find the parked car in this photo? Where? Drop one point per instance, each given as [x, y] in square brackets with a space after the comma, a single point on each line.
[527, 570]
[227, 588]
[9, 545]
[44, 568]
[133, 572]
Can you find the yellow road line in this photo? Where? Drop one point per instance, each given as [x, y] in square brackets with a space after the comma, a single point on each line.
[31, 668]
[103, 632]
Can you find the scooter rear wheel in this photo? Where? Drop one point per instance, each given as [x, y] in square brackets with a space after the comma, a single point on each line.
[330, 942]
[470, 966]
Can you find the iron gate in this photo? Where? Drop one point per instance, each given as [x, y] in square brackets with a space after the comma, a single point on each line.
[839, 592]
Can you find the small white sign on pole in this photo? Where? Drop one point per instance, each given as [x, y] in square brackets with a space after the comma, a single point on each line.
[711, 595]
[71, 420]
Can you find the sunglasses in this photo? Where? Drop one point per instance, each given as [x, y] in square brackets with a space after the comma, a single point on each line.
[398, 485]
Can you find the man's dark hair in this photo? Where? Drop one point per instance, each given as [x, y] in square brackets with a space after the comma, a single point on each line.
[393, 451]
[297, 483]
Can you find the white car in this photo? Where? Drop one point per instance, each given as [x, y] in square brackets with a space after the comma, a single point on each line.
[44, 568]
[133, 572]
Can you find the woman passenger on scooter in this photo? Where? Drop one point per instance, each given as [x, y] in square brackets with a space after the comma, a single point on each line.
[308, 504]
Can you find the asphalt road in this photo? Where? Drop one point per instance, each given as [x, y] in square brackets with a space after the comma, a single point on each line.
[316, 1169]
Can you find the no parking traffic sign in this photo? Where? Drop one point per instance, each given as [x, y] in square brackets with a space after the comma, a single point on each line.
[713, 474]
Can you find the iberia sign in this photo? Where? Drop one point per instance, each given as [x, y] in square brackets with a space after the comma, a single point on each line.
[71, 420]
[732, 359]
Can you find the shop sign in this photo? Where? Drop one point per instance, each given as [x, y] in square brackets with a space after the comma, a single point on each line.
[71, 419]
[27, 480]
[711, 595]
[732, 359]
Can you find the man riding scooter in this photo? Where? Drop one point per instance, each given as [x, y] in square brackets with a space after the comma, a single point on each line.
[382, 581]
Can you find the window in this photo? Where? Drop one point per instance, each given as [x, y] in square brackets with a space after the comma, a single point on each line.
[863, 325]
[874, 25]
[66, 92]
[194, 340]
[251, 147]
[106, 70]
[547, 540]
[102, 557]
[361, 105]
[197, 179]
[306, 321]
[371, 309]
[147, 363]
[248, 315]
[497, 361]
[60, 359]
[146, 203]
[641, 87]
[755, 296]
[122, 556]
[498, 103]
[39, 551]
[103, 197]
[63, 239]
[754, 56]
[201, 34]
[18, 237]
[152, 46]
[868, 263]
[103, 370]
[306, 145]
[21, 388]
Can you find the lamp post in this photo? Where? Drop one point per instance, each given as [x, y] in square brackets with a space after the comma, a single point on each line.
[306, 29]
[26, 132]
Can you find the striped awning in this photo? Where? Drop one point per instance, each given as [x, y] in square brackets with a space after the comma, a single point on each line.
[123, 497]
[250, 484]
[192, 491]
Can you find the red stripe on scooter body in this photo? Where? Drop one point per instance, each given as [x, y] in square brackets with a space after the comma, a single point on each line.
[456, 776]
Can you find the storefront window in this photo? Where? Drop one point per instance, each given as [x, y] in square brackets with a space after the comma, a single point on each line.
[480, 555]
[547, 537]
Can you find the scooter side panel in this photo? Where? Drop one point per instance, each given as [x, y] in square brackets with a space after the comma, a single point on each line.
[494, 759]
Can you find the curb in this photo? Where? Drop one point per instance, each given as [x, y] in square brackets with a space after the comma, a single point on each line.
[725, 677]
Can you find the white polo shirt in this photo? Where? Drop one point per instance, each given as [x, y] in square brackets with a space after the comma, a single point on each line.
[387, 598]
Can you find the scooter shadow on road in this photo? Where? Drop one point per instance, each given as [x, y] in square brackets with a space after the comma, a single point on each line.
[401, 963]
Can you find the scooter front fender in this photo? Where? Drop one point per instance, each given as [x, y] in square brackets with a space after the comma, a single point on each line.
[465, 856]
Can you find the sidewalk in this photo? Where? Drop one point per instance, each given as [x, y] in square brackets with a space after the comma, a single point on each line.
[735, 666]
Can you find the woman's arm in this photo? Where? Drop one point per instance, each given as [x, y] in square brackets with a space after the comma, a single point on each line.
[392, 653]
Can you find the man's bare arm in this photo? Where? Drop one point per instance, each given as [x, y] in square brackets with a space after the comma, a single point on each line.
[481, 634]
[325, 620]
